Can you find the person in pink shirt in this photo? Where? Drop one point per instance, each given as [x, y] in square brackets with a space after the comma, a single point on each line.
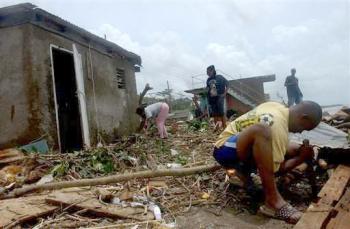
[159, 111]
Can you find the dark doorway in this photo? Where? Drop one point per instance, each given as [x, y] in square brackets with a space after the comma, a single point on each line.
[67, 101]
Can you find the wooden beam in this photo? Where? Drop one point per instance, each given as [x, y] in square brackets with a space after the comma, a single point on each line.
[23, 209]
[318, 215]
[334, 188]
[342, 216]
[79, 199]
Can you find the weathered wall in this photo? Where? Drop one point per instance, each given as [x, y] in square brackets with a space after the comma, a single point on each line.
[19, 111]
[26, 88]
[235, 104]
[114, 106]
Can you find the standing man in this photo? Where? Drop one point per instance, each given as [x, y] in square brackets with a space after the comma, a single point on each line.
[217, 88]
[293, 90]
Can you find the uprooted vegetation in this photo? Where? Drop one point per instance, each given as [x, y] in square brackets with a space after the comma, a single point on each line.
[138, 201]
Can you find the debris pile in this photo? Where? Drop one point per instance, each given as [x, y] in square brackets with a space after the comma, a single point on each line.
[152, 201]
[156, 201]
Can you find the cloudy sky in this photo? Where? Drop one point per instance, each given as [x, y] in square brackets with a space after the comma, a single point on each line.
[178, 39]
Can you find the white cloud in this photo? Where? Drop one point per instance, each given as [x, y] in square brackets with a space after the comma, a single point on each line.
[178, 39]
[286, 33]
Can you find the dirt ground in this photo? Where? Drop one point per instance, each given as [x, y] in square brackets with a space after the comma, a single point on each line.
[205, 219]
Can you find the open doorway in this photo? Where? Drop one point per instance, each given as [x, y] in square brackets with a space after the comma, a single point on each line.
[68, 113]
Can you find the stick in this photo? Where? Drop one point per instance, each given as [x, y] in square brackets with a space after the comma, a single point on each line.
[122, 225]
[111, 179]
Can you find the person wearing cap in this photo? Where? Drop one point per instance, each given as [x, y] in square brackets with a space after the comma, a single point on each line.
[217, 88]
[293, 90]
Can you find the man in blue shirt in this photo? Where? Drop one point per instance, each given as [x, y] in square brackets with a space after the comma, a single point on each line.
[217, 88]
[293, 90]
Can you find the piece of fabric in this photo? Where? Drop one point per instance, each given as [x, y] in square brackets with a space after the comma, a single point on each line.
[271, 113]
[152, 111]
[160, 120]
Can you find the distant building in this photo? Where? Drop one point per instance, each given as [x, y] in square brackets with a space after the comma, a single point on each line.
[242, 94]
[61, 82]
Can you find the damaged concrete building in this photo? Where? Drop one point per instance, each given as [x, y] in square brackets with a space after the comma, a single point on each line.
[61, 82]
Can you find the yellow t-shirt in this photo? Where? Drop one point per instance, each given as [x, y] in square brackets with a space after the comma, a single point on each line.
[271, 113]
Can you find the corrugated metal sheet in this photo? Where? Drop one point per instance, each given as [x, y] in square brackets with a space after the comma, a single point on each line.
[323, 135]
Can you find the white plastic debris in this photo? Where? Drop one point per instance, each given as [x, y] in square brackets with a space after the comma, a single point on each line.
[174, 165]
[189, 116]
[170, 225]
[173, 152]
[156, 211]
[45, 179]
[116, 201]
[136, 204]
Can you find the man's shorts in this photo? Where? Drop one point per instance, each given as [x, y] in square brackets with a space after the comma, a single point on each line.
[217, 106]
[227, 156]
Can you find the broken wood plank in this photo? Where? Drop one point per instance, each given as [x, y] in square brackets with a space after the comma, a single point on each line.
[342, 214]
[314, 217]
[23, 209]
[318, 215]
[112, 179]
[341, 221]
[79, 199]
[334, 188]
[11, 155]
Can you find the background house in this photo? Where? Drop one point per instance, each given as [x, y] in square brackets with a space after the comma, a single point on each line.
[242, 94]
[62, 82]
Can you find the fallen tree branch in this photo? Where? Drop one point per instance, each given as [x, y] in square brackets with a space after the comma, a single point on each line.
[110, 179]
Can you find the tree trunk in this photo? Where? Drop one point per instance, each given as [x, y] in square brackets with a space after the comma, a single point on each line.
[110, 179]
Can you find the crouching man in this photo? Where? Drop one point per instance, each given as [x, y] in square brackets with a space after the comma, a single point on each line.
[259, 139]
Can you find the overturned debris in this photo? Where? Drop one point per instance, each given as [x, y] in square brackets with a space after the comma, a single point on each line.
[111, 179]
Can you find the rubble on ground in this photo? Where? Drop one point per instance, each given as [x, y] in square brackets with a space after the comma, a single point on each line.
[137, 203]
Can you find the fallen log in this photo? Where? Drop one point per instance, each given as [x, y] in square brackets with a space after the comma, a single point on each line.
[110, 179]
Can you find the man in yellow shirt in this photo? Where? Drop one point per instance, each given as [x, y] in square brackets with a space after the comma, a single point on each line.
[259, 139]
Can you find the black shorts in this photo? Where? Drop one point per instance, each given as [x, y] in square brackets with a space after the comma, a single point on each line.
[217, 106]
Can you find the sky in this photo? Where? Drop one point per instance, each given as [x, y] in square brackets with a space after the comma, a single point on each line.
[178, 39]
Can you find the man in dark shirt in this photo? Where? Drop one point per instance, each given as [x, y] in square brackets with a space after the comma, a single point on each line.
[217, 88]
[293, 90]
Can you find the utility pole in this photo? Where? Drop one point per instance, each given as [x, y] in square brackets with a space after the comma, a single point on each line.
[169, 95]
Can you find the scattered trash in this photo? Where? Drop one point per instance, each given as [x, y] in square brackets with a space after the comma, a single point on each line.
[174, 165]
[11, 174]
[45, 179]
[205, 195]
[8, 156]
[156, 211]
[39, 146]
[173, 152]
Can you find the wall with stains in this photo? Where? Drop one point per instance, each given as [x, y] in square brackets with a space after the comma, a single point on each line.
[18, 119]
[26, 93]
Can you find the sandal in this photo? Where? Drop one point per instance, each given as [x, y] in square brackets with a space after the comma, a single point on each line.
[286, 213]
